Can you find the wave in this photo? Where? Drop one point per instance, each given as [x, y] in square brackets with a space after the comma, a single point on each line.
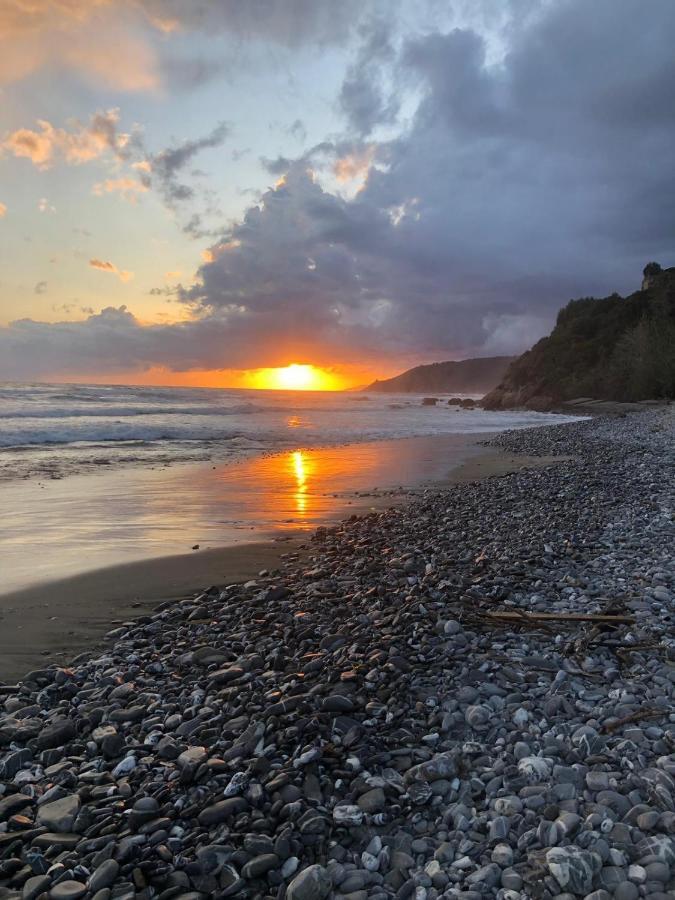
[125, 411]
[111, 432]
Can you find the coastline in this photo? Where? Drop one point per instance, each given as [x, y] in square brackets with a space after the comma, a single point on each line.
[468, 695]
[53, 621]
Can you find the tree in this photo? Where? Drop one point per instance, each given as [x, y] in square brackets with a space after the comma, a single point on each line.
[651, 269]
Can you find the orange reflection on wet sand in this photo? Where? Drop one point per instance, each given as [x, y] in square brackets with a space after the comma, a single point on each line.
[298, 462]
[295, 488]
[89, 521]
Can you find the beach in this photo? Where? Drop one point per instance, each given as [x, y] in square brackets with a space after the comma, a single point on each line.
[469, 694]
[116, 544]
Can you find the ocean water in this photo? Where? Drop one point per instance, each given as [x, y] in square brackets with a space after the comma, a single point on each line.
[50, 431]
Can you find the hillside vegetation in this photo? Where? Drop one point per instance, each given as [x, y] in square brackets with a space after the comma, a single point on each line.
[467, 376]
[613, 348]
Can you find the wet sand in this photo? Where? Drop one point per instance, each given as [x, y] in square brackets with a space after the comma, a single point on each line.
[125, 546]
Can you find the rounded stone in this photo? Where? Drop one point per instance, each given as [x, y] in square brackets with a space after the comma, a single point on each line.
[312, 883]
[68, 890]
[626, 891]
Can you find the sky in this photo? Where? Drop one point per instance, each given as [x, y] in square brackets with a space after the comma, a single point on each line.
[190, 192]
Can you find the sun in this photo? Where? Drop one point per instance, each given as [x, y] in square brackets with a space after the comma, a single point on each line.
[296, 377]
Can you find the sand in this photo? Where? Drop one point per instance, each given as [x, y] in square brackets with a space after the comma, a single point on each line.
[54, 621]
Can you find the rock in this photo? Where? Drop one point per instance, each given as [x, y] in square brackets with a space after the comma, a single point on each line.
[59, 815]
[626, 891]
[104, 875]
[260, 865]
[207, 656]
[57, 840]
[535, 769]
[477, 716]
[34, 886]
[67, 890]
[337, 703]
[56, 735]
[661, 846]
[489, 875]
[372, 801]
[347, 815]
[312, 883]
[222, 811]
[15, 803]
[573, 868]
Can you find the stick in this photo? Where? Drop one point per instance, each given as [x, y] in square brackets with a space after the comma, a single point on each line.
[649, 713]
[512, 615]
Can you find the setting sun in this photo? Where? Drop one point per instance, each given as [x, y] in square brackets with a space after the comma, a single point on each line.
[296, 377]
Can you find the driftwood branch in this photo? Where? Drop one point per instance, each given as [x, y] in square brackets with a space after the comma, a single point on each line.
[519, 616]
[648, 713]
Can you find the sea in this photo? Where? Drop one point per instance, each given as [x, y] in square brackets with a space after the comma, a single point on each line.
[50, 431]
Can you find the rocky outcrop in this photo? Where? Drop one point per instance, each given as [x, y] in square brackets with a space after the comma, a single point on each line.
[614, 348]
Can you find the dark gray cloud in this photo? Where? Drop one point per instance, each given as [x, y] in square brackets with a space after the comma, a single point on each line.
[297, 130]
[113, 341]
[287, 22]
[166, 166]
[40, 287]
[365, 98]
[517, 186]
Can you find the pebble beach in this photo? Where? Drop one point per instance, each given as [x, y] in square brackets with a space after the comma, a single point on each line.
[469, 696]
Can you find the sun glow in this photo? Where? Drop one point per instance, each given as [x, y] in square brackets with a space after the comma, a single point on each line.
[296, 377]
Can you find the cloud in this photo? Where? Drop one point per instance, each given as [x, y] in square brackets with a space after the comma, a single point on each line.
[355, 165]
[3, 210]
[69, 308]
[126, 44]
[164, 168]
[106, 266]
[365, 98]
[129, 188]
[114, 341]
[98, 39]
[47, 144]
[510, 185]
[40, 287]
[101, 138]
[515, 186]
[45, 206]
[290, 23]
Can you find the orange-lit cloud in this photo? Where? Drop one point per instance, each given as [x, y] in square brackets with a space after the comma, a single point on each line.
[3, 210]
[46, 144]
[106, 266]
[96, 38]
[354, 166]
[129, 188]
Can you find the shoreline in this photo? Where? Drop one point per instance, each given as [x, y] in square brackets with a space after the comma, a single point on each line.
[53, 621]
[470, 695]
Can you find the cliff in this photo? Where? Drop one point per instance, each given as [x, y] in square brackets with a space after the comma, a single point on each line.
[467, 376]
[613, 348]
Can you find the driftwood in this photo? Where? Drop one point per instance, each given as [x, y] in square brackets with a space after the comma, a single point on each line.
[520, 616]
[649, 713]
